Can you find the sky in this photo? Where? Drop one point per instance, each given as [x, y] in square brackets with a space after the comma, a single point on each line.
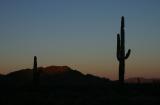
[80, 34]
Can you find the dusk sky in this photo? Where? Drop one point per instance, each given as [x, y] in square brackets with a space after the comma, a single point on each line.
[81, 34]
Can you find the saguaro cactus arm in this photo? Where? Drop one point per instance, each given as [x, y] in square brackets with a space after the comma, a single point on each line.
[128, 54]
[118, 46]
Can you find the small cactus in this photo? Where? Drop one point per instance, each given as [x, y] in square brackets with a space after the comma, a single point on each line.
[138, 80]
[35, 72]
[121, 56]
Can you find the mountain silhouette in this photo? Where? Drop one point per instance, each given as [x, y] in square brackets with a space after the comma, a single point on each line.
[61, 85]
[55, 75]
[1, 77]
[56, 69]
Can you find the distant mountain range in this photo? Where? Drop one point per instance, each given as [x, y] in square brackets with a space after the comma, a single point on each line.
[63, 75]
[142, 80]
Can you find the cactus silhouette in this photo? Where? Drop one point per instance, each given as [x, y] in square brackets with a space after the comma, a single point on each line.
[138, 80]
[121, 56]
[35, 72]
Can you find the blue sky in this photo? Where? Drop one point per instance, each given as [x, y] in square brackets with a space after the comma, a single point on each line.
[80, 34]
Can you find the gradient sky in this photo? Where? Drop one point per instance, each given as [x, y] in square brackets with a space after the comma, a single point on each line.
[80, 34]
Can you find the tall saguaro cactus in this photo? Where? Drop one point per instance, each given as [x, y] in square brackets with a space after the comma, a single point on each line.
[35, 72]
[121, 56]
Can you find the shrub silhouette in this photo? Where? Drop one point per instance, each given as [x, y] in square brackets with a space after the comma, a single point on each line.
[121, 56]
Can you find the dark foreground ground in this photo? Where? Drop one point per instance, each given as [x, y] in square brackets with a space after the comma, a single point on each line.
[108, 94]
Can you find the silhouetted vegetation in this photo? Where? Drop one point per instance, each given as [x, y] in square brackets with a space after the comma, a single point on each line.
[121, 56]
[35, 72]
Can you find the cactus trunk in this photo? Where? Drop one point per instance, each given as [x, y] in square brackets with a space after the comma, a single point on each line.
[35, 72]
[121, 56]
